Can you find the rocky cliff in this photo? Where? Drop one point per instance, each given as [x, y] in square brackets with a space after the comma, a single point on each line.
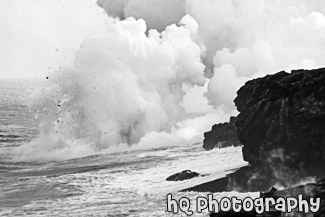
[221, 135]
[282, 128]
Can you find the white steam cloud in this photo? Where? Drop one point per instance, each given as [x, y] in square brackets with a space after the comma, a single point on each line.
[125, 85]
[134, 85]
[252, 38]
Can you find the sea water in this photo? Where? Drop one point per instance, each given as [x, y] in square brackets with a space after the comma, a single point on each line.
[131, 183]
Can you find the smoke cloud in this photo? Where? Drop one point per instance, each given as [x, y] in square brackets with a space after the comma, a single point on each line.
[254, 37]
[136, 84]
[157, 14]
[124, 86]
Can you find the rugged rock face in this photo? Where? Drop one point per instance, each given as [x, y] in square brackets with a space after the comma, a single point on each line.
[221, 135]
[186, 174]
[282, 127]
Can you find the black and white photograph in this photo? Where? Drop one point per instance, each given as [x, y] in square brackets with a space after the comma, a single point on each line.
[161, 108]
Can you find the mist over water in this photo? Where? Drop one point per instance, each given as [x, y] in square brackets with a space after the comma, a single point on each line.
[166, 71]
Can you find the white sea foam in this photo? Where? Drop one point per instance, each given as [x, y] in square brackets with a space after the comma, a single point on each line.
[132, 183]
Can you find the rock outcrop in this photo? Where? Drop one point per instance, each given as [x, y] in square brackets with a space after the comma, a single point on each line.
[282, 128]
[221, 135]
[186, 174]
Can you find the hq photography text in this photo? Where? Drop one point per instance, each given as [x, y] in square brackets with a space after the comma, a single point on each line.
[225, 204]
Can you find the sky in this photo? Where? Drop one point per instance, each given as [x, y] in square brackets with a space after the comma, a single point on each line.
[40, 36]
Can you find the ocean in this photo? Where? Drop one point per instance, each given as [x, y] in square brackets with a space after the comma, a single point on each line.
[129, 183]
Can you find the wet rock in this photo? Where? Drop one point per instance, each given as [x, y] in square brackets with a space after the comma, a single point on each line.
[221, 135]
[310, 190]
[186, 174]
[282, 128]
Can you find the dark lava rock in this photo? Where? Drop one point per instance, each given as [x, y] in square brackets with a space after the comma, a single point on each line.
[234, 214]
[218, 185]
[282, 128]
[186, 174]
[310, 190]
[246, 214]
[221, 135]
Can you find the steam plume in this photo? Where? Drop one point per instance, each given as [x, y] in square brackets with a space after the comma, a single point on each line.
[128, 86]
[254, 37]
